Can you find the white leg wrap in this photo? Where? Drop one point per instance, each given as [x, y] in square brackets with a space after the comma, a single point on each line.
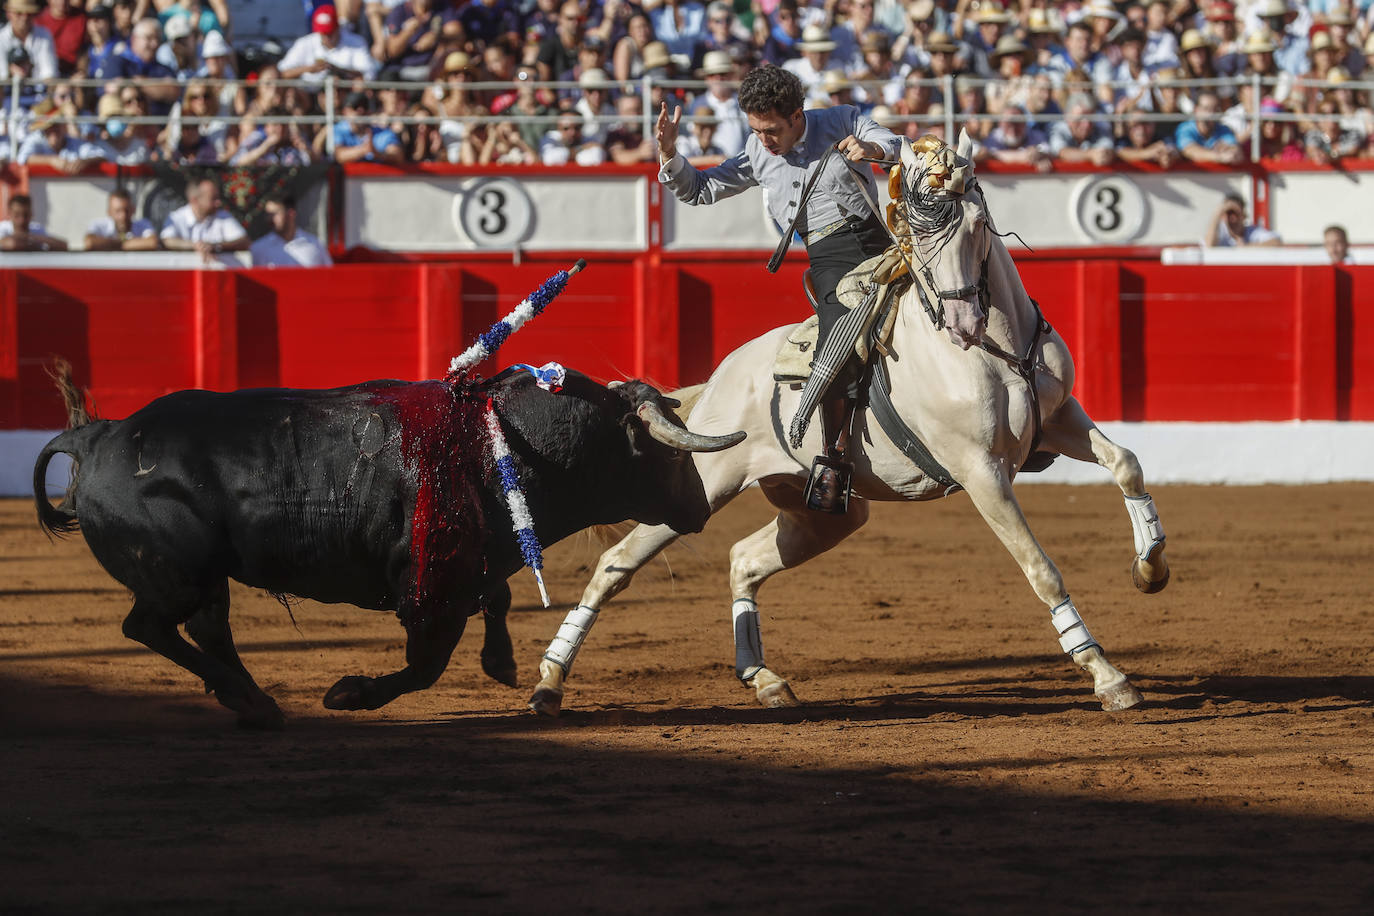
[564, 647]
[1073, 633]
[1145, 524]
[748, 640]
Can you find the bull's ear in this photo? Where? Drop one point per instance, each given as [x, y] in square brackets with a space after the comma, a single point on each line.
[965, 147]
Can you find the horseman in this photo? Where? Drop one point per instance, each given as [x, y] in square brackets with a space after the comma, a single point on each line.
[811, 192]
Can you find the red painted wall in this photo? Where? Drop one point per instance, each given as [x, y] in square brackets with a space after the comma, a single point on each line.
[1151, 342]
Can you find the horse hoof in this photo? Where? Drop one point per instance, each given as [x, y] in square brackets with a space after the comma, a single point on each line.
[777, 695]
[1153, 561]
[1120, 696]
[547, 701]
[349, 693]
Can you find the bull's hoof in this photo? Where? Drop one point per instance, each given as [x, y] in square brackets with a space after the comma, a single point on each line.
[1151, 574]
[501, 670]
[1120, 696]
[547, 701]
[349, 693]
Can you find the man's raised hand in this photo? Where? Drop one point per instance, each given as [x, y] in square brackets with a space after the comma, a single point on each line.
[665, 132]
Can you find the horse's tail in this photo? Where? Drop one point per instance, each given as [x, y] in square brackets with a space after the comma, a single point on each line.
[61, 519]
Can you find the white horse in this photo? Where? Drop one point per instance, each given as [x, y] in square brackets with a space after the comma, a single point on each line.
[972, 409]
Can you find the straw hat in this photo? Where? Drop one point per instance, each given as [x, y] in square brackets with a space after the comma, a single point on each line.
[457, 62]
[876, 41]
[815, 38]
[940, 42]
[109, 107]
[1339, 16]
[834, 81]
[992, 13]
[1045, 22]
[595, 78]
[1193, 39]
[921, 10]
[1273, 9]
[1260, 42]
[1101, 9]
[716, 63]
[1338, 75]
[1320, 42]
[22, 6]
[1369, 45]
[1008, 44]
[655, 55]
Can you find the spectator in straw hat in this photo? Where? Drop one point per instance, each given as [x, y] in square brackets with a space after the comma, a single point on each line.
[1338, 26]
[178, 51]
[815, 47]
[943, 53]
[991, 21]
[329, 51]
[21, 32]
[595, 103]
[880, 83]
[698, 144]
[1222, 30]
[117, 142]
[49, 143]
[1044, 32]
[1009, 61]
[1288, 26]
[720, 102]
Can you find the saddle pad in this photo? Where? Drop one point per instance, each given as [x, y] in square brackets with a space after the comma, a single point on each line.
[792, 365]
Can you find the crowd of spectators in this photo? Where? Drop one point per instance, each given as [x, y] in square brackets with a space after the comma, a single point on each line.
[133, 81]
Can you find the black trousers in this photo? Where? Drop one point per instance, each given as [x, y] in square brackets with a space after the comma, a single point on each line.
[831, 258]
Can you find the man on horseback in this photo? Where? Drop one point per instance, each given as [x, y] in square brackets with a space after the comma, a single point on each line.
[788, 153]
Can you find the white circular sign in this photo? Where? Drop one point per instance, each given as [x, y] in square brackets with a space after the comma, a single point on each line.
[1108, 208]
[495, 213]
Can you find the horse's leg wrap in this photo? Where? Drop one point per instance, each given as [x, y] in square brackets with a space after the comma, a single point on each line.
[573, 631]
[748, 640]
[1073, 633]
[1145, 524]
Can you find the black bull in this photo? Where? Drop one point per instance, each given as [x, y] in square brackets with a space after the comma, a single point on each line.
[382, 495]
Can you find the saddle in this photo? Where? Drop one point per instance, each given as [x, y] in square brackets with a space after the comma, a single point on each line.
[876, 284]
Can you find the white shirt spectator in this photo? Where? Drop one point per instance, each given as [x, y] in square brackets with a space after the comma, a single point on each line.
[812, 80]
[36, 144]
[7, 228]
[592, 130]
[732, 128]
[552, 151]
[41, 50]
[1254, 235]
[351, 54]
[136, 152]
[105, 228]
[304, 250]
[218, 227]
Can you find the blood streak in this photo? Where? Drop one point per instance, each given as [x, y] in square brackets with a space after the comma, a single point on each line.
[443, 447]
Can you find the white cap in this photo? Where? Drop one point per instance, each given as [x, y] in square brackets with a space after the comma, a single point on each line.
[215, 46]
[177, 27]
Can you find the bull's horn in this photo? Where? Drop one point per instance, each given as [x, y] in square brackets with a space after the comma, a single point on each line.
[669, 433]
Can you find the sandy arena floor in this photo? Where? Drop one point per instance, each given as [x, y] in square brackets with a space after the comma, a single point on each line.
[949, 758]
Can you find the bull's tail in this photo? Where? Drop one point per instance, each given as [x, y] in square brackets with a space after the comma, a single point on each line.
[61, 519]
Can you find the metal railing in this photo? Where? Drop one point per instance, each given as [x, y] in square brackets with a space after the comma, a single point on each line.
[330, 114]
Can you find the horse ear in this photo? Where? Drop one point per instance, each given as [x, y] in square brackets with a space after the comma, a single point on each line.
[965, 148]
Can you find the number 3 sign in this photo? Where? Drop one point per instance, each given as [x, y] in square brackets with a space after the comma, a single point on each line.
[494, 213]
[1108, 208]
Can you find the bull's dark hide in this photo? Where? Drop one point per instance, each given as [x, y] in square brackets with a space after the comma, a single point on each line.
[382, 495]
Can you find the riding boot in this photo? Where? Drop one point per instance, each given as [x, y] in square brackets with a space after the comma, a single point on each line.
[827, 490]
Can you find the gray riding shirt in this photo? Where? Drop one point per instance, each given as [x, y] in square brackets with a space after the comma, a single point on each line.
[835, 195]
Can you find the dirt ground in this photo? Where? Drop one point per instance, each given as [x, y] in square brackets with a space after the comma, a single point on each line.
[948, 757]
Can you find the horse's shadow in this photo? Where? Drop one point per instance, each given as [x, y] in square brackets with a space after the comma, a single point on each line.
[1313, 693]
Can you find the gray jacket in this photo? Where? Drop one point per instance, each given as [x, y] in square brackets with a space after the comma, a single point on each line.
[782, 177]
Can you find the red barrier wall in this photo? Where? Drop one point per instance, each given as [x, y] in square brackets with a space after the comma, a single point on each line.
[1151, 342]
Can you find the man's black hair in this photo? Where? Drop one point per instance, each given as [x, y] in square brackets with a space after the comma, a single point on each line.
[771, 90]
[124, 193]
[22, 199]
[287, 200]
